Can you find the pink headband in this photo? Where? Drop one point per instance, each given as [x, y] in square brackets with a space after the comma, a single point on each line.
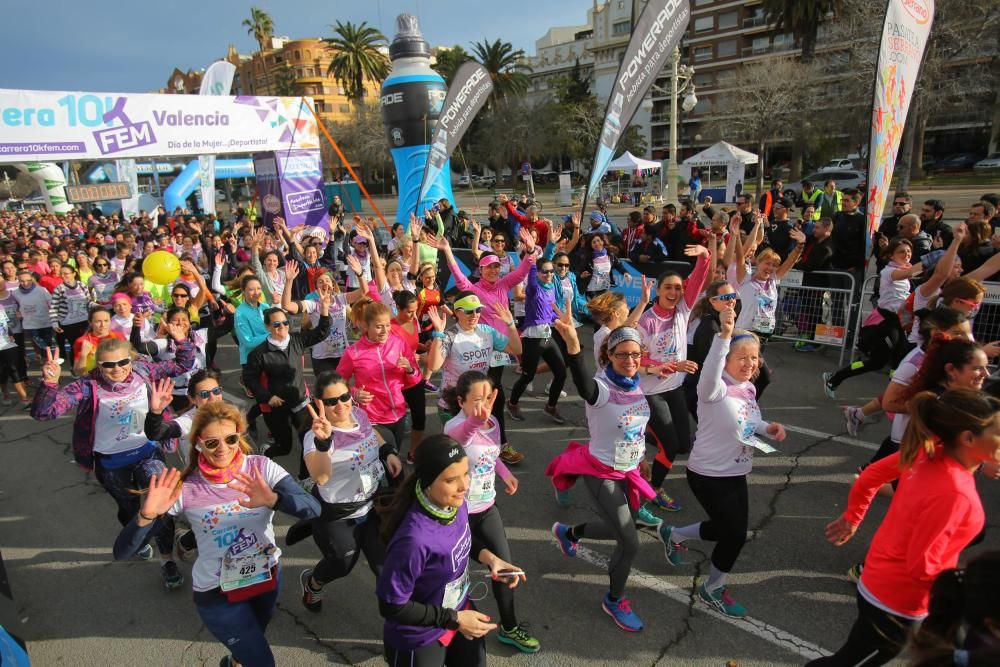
[120, 295]
[489, 259]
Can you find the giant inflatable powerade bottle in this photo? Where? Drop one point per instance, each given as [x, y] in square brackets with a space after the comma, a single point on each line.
[412, 97]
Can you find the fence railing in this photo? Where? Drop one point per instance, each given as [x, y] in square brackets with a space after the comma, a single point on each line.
[817, 308]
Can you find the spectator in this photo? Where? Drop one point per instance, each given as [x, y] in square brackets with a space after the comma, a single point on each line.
[768, 199]
[849, 231]
[982, 211]
[598, 223]
[976, 247]
[498, 219]
[809, 197]
[932, 222]
[901, 205]
[650, 249]
[632, 235]
[817, 256]
[920, 241]
[694, 185]
[744, 206]
[778, 238]
[831, 200]
[528, 220]
[707, 209]
[994, 200]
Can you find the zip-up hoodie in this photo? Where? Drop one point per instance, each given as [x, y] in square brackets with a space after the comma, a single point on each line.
[374, 369]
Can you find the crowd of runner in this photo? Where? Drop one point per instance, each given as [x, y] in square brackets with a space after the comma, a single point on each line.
[678, 374]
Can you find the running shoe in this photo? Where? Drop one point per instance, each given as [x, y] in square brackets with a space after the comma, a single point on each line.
[621, 612]
[311, 600]
[553, 412]
[854, 574]
[805, 347]
[514, 411]
[646, 519]
[566, 545]
[562, 394]
[430, 387]
[722, 602]
[26, 406]
[6, 400]
[185, 554]
[510, 456]
[665, 502]
[172, 577]
[519, 638]
[828, 388]
[855, 419]
[145, 553]
[671, 550]
[563, 498]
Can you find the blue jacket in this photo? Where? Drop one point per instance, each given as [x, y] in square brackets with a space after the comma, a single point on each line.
[248, 325]
[579, 301]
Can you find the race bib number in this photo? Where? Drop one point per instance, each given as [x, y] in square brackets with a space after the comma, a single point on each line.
[77, 309]
[455, 591]
[763, 319]
[501, 359]
[628, 453]
[757, 443]
[244, 570]
[481, 487]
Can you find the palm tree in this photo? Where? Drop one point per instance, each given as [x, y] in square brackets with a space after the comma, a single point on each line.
[801, 18]
[449, 60]
[503, 62]
[357, 57]
[260, 26]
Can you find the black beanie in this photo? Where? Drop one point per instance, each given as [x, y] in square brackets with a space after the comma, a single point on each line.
[435, 454]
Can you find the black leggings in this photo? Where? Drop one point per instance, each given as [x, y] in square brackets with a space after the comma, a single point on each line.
[285, 426]
[321, 365]
[393, 434]
[727, 504]
[496, 374]
[882, 344]
[875, 638]
[416, 401]
[531, 350]
[668, 420]
[487, 527]
[461, 652]
[341, 541]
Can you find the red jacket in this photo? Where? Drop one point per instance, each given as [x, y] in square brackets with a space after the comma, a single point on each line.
[541, 228]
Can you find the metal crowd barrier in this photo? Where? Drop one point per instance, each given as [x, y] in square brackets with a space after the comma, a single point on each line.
[817, 314]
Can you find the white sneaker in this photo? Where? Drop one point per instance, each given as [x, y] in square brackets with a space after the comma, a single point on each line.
[562, 394]
[855, 419]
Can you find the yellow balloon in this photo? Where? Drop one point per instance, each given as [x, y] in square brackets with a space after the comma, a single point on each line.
[161, 267]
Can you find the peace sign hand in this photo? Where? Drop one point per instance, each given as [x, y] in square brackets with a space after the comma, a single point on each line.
[321, 427]
[52, 368]
[162, 395]
[485, 409]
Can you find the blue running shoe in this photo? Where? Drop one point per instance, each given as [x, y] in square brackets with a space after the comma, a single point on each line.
[566, 545]
[671, 550]
[644, 518]
[665, 502]
[621, 612]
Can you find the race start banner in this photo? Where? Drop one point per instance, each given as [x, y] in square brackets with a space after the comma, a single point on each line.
[904, 38]
[290, 185]
[655, 35]
[217, 80]
[469, 91]
[47, 126]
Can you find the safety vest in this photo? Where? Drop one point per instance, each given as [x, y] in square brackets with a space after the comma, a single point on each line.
[838, 197]
[768, 203]
[811, 199]
[252, 213]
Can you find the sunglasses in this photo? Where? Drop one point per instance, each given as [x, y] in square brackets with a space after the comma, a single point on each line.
[562, 266]
[732, 296]
[500, 241]
[100, 264]
[899, 203]
[181, 295]
[280, 323]
[470, 311]
[331, 401]
[113, 364]
[546, 272]
[205, 393]
[211, 444]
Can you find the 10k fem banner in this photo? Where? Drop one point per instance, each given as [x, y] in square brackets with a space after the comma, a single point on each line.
[47, 126]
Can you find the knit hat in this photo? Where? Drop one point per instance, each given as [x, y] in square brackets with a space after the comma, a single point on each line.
[434, 455]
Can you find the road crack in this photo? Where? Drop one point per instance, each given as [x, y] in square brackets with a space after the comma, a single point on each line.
[772, 505]
[686, 629]
[329, 646]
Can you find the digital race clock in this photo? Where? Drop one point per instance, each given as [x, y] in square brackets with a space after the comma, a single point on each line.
[79, 194]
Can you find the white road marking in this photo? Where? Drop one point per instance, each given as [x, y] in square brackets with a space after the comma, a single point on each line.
[832, 436]
[759, 629]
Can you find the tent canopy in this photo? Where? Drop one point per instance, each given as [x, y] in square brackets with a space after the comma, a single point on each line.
[722, 153]
[629, 162]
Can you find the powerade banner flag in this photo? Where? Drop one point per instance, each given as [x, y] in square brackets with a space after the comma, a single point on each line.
[656, 34]
[904, 38]
[218, 79]
[469, 91]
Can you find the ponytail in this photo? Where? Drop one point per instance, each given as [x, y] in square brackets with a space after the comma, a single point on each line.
[943, 418]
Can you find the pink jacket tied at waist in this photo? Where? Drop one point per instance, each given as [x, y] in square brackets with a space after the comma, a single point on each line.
[577, 460]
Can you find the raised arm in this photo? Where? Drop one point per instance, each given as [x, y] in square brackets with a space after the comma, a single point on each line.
[800, 242]
[287, 303]
[695, 282]
[946, 264]
[711, 388]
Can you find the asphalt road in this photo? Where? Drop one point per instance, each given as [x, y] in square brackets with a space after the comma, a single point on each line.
[76, 606]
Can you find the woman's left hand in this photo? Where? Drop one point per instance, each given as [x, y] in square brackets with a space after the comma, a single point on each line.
[510, 483]
[776, 431]
[258, 493]
[393, 465]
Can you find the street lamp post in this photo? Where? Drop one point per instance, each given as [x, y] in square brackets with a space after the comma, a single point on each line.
[681, 80]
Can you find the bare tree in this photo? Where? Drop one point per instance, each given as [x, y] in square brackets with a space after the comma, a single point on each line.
[362, 138]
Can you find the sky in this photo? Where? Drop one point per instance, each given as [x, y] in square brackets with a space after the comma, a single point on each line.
[133, 46]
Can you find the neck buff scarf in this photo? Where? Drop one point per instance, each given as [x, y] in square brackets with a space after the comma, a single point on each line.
[280, 344]
[663, 312]
[225, 475]
[445, 516]
[621, 381]
[601, 253]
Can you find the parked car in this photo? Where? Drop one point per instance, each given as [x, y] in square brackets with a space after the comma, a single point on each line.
[992, 161]
[957, 162]
[484, 181]
[837, 164]
[463, 181]
[844, 178]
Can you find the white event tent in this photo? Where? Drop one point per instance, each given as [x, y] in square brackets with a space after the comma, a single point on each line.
[722, 154]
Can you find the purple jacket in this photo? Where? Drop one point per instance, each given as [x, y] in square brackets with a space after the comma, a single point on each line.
[538, 301]
[52, 401]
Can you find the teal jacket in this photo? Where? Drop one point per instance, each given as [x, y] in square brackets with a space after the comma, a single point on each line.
[249, 327]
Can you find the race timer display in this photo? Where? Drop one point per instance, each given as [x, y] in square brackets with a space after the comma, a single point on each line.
[79, 194]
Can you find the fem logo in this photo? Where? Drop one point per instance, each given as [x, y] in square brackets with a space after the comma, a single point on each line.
[918, 9]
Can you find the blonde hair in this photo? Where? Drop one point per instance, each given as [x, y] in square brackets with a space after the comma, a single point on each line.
[114, 345]
[741, 338]
[768, 255]
[602, 306]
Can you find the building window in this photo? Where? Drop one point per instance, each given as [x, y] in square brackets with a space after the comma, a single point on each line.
[761, 45]
[621, 28]
[728, 20]
[704, 78]
[702, 53]
[345, 108]
[726, 49]
[341, 91]
[320, 106]
[783, 42]
[702, 3]
[704, 24]
[755, 17]
[704, 106]
[309, 55]
[298, 56]
[279, 59]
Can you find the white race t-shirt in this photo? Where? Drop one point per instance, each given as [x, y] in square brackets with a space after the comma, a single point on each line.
[892, 294]
[468, 351]
[333, 346]
[356, 468]
[617, 423]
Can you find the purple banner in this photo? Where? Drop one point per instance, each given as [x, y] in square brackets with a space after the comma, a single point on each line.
[290, 185]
